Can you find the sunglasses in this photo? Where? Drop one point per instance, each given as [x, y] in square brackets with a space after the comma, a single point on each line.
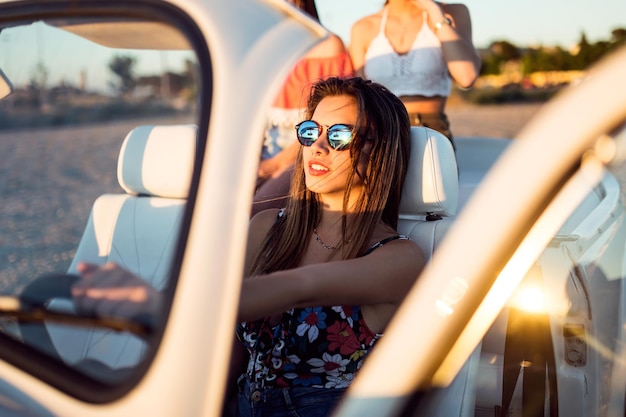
[339, 135]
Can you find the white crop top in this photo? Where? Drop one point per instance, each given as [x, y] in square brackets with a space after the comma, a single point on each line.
[421, 71]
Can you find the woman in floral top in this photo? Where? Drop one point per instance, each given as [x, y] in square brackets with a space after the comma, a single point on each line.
[326, 273]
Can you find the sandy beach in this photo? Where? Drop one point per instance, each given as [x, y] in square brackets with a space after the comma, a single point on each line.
[493, 121]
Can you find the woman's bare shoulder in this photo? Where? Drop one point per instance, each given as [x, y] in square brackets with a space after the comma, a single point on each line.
[335, 43]
[364, 30]
[329, 47]
[368, 23]
[386, 237]
[400, 254]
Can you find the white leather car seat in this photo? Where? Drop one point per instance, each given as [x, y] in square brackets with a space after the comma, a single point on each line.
[427, 208]
[431, 189]
[137, 229]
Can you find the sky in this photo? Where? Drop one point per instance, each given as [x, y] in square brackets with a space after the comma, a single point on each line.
[523, 23]
[66, 55]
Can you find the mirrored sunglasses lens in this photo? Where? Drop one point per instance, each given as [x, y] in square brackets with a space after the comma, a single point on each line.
[340, 136]
[308, 132]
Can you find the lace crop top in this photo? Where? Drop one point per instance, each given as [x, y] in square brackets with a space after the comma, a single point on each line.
[421, 71]
[318, 347]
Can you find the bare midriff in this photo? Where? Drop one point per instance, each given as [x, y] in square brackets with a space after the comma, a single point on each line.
[425, 105]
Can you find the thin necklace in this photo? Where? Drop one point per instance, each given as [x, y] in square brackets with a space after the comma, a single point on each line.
[321, 242]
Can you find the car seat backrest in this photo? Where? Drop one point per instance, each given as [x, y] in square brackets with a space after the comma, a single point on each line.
[158, 161]
[427, 208]
[431, 189]
[137, 229]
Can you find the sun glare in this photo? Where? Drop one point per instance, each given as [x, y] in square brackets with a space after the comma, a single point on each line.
[529, 299]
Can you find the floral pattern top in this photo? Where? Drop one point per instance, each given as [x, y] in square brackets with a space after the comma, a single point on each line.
[318, 347]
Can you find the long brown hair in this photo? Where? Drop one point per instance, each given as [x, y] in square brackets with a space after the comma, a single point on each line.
[383, 121]
[307, 6]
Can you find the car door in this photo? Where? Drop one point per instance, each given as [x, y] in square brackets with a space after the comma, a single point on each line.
[131, 134]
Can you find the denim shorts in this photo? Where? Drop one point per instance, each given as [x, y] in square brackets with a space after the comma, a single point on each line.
[255, 401]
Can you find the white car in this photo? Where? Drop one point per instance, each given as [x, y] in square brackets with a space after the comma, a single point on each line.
[131, 131]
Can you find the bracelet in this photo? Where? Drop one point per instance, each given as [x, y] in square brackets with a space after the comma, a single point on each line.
[445, 21]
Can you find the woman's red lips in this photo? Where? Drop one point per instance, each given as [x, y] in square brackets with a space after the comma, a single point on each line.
[316, 168]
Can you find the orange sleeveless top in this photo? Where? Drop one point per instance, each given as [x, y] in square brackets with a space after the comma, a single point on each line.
[308, 71]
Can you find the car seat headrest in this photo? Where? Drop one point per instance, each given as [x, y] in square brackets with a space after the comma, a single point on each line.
[431, 186]
[158, 160]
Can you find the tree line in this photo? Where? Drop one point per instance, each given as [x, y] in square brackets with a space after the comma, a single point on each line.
[533, 59]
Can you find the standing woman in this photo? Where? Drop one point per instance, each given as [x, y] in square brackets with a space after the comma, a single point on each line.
[326, 274]
[416, 48]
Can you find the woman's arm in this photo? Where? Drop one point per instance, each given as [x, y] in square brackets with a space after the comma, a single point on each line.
[456, 40]
[276, 165]
[384, 276]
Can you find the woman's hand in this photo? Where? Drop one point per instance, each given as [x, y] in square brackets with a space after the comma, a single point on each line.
[111, 291]
[459, 52]
[435, 12]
